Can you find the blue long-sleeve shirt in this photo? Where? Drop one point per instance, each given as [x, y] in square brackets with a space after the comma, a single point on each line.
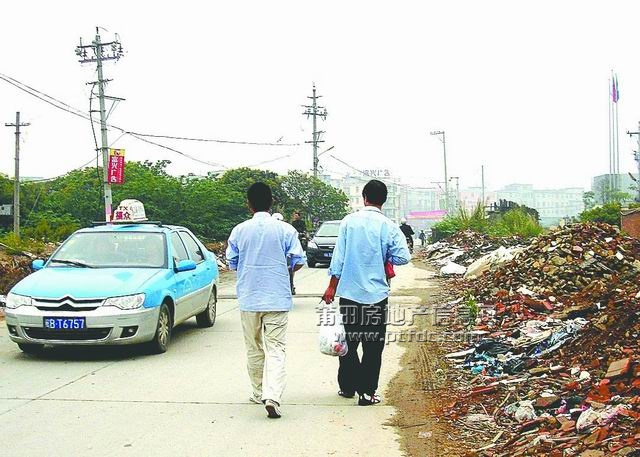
[366, 240]
[258, 250]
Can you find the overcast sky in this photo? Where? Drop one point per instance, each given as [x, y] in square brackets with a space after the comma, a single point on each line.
[520, 87]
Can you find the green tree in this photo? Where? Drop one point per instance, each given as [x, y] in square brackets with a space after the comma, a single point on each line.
[212, 208]
[589, 199]
[314, 197]
[608, 213]
[149, 182]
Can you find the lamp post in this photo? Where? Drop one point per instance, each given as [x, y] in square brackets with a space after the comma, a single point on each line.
[446, 179]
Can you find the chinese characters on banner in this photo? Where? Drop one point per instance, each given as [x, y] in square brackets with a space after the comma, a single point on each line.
[115, 169]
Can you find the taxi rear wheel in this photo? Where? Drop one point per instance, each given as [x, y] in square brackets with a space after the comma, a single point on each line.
[208, 317]
[161, 339]
[31, 348]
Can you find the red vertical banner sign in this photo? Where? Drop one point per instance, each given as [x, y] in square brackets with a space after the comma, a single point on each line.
[115, 170]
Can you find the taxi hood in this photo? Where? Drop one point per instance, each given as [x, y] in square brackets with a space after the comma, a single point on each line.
[58, 282]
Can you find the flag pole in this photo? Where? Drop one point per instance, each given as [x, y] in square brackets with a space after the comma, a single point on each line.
[605, 195]
[617, 149]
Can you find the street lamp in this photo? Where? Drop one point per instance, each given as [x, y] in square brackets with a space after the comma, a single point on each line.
[446, 179]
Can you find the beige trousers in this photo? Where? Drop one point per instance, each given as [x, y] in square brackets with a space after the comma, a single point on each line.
[265, 336]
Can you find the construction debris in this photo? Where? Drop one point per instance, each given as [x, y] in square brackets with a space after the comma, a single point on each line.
[552, 343]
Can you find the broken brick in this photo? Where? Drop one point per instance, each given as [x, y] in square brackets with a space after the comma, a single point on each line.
[618, 368]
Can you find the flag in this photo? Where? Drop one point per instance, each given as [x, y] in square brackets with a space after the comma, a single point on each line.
[615, 93]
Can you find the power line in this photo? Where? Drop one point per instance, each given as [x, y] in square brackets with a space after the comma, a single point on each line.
[77, 112]
[214, 140]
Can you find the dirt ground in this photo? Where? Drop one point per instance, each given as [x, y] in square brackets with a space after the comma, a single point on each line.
[419, 390]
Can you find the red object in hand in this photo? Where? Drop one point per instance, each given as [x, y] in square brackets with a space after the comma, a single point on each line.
[329, 295]
[388, 270]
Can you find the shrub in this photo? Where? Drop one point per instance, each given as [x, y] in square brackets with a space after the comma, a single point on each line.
[608, 213]
[515, 222]
[17, 245]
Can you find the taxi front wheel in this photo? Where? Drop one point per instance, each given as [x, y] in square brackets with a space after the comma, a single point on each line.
[160, 341]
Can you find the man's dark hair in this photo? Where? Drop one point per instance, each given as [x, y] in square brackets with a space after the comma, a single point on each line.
[296, 212]
[375, 192]
[260, 197]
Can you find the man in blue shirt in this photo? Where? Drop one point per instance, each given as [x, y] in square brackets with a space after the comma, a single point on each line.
[258, 250]
[366, 241]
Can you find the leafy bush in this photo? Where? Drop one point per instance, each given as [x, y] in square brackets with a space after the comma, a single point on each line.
[608, 213]
[515, 222]
[463, 220]
[48, 227]
[17, 245]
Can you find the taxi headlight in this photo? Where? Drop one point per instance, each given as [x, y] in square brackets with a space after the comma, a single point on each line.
[126, 302]
[15, 301]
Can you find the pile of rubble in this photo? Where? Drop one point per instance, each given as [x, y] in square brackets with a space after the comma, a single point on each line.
[460, 253]
[550, 366]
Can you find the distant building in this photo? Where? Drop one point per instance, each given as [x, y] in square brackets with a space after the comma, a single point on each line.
[601, 184]
[553, 205]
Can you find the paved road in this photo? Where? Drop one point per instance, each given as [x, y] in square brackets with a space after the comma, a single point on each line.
[193, 400]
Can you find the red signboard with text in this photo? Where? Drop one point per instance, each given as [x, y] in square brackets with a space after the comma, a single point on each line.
[115, 170]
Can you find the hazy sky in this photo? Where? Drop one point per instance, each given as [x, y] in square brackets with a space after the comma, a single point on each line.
[520, 87]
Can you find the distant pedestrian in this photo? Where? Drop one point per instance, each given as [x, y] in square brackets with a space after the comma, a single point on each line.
[367, 240]
[423, 237]
[258, 249]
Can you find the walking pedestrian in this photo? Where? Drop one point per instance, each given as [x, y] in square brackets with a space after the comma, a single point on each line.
[258, 250]
[367, 240]
[423, 237]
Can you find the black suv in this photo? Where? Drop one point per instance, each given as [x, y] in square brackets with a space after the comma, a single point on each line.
[320, 248]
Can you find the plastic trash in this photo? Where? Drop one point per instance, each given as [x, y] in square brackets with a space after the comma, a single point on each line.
[333, 338]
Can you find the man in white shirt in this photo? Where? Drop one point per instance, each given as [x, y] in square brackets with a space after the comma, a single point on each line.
[258, 250]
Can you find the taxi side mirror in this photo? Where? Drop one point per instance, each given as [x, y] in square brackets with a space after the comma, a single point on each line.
[186, 265]
[37, 264]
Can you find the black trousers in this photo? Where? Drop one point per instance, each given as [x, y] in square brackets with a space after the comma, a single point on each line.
[364, 324]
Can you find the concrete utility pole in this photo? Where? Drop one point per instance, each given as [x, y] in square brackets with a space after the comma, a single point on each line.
[457, 178]
[16, 183]
[315, 111]
[446, 179]
[636, 155]
[482, 171]
[111, 50]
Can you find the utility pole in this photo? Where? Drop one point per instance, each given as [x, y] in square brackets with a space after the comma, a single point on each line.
[636, 156]
[315, 111]
[111, 50]
[457, 178]
[16, 182]
[482, 172]
[446, 179]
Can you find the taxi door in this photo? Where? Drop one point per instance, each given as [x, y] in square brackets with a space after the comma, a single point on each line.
[184, 280]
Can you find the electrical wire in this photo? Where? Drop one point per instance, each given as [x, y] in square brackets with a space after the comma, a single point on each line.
[213, 140]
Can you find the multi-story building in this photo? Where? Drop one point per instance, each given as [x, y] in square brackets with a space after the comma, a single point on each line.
[601, 184]
[552, 205]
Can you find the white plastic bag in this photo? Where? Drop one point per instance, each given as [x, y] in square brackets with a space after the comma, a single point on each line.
[333, 338]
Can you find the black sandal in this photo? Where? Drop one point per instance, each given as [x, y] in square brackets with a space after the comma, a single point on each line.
[346, 394]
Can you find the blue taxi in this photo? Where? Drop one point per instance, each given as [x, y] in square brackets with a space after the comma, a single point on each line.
[117, 283]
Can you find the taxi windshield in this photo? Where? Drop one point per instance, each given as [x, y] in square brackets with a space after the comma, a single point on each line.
[112, 250]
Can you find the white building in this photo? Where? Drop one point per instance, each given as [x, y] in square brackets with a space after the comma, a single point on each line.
[552, 204]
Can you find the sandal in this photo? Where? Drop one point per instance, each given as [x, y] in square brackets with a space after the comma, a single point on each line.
[367, 400]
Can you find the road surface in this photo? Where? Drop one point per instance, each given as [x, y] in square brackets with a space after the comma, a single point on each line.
[193, 400]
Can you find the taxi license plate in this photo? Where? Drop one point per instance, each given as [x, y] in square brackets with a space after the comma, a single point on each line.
[64, 323]
[328, 254]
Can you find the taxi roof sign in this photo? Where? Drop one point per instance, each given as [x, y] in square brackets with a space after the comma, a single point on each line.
[129, 210]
